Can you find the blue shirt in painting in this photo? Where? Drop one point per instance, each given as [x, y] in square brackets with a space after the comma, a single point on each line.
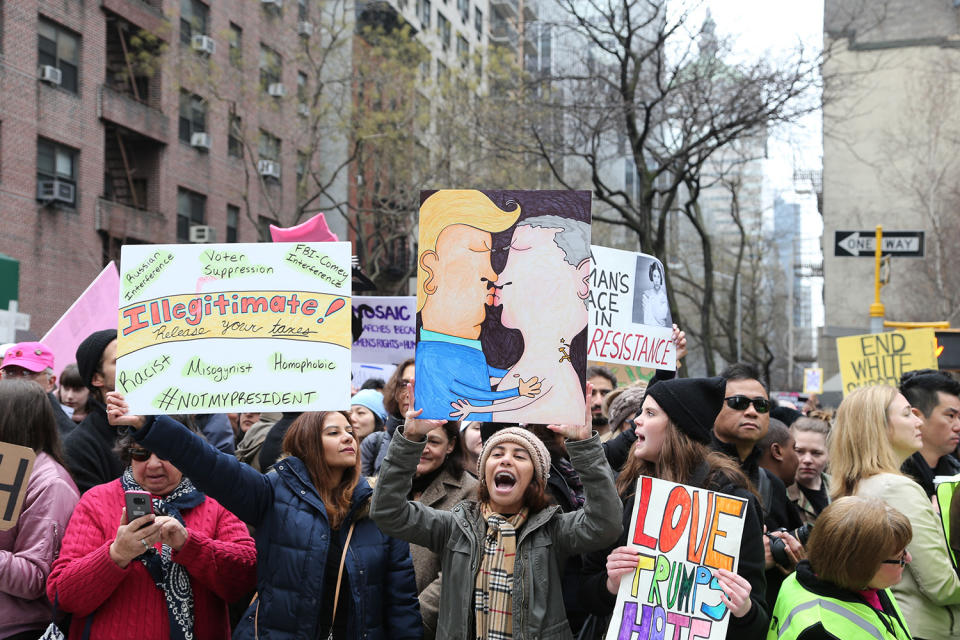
[448, 369]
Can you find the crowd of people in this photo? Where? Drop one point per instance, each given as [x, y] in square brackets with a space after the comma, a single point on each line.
[371, 522]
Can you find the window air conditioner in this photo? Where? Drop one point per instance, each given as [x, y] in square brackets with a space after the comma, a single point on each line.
[277, 90]
[202, 234]
[276, 4]
[305, 29]
[55, 191]
[203, 44]
[269, 169]
[303, 110]
[200, 141]
[51, 74]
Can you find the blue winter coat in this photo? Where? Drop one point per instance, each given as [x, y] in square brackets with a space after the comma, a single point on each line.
[292, 534]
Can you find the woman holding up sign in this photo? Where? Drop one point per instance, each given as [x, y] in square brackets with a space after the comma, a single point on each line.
[673, 431]
[502, 557]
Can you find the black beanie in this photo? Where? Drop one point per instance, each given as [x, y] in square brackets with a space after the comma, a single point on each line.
[691, 403]
[90, 351]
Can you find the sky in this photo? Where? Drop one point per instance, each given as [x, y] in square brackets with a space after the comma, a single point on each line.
[771, 28]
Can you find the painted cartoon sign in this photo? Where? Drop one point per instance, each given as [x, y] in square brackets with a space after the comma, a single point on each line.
[234, 327]
[16, 465]
[387, 328]
[94, 310]
[881, 358]
[629, 315]
[502, 284]
[682, 534]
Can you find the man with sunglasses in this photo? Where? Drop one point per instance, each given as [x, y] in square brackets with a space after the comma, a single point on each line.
[742, 422]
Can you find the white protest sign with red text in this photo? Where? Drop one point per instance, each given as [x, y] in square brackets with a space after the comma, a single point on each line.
[682, 534]
[630, 320]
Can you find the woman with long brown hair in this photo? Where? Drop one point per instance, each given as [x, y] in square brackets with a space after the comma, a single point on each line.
[325, 570]
[396, 400]
[673, 430]
[27, 550]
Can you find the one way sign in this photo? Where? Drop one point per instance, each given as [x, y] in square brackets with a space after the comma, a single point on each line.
[861, 244]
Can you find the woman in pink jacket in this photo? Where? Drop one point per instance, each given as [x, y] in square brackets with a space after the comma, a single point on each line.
[28, 549]
[163, 576]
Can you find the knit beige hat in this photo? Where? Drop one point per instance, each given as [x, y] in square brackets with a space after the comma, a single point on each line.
[520, 436]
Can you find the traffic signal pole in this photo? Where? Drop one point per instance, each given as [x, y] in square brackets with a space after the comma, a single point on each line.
[876, 309]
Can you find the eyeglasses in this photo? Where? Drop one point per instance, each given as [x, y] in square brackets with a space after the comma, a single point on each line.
[740, 403]
[902, 560]
[139, 454]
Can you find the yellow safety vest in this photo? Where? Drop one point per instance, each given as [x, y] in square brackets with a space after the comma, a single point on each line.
[798, 609]
[945, 492]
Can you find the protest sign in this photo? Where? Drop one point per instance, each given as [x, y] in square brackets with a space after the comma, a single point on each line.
[813, 380]
[234, 327]
[517, 263]
[388, 329]
[94, 310]
[625, 374]
[682, 534]
[16, 464]
[363, 372]
[881, 358]
[630, 319]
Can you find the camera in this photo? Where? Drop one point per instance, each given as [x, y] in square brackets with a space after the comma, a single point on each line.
[778, 548]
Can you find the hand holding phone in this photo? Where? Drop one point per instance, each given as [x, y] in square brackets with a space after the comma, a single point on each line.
[138, 504]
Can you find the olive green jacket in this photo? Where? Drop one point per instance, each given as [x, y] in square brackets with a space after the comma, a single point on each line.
[543, 543]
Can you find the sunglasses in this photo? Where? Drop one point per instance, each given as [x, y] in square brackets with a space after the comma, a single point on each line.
[139, 454]
[902, 560]
[740, 403]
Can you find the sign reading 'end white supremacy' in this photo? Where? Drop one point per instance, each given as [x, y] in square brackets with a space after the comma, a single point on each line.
[862, 244]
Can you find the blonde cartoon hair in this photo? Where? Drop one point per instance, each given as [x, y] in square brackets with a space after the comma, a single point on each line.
[456, 206]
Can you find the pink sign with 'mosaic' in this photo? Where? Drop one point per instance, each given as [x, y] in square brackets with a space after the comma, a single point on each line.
[95, 309]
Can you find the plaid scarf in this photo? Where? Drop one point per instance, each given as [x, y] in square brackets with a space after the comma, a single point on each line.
[493, 592]
[170, 577]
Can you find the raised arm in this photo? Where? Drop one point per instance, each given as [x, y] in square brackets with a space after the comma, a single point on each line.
[240, 488]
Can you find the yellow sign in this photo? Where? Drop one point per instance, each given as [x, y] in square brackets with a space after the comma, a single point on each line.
[881, 358]
[288, 315]
[16, 463]
[813, 380]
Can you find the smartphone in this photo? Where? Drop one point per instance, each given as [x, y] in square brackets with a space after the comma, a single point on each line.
[138, 504]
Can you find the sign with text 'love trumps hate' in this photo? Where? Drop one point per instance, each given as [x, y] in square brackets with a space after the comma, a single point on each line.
[220, 328]
[682, 534]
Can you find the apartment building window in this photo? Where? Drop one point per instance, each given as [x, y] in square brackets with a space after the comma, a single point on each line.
[57, 171]
[233, 220]
[235, 39]
[269, 146]
[423, 10]
[463, 6]
[235, 136]
[60, 48]
[191, 211]
[263, 226]
[301, 169]
[270, 67]
[302, 10]
[194, 18]
[443, 28]
[302, 97]
[443, 73]
[478, 22]
[463, 51]
[193, 115]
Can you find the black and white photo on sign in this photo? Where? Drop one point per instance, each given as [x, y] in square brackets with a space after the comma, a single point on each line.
[650, 304]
